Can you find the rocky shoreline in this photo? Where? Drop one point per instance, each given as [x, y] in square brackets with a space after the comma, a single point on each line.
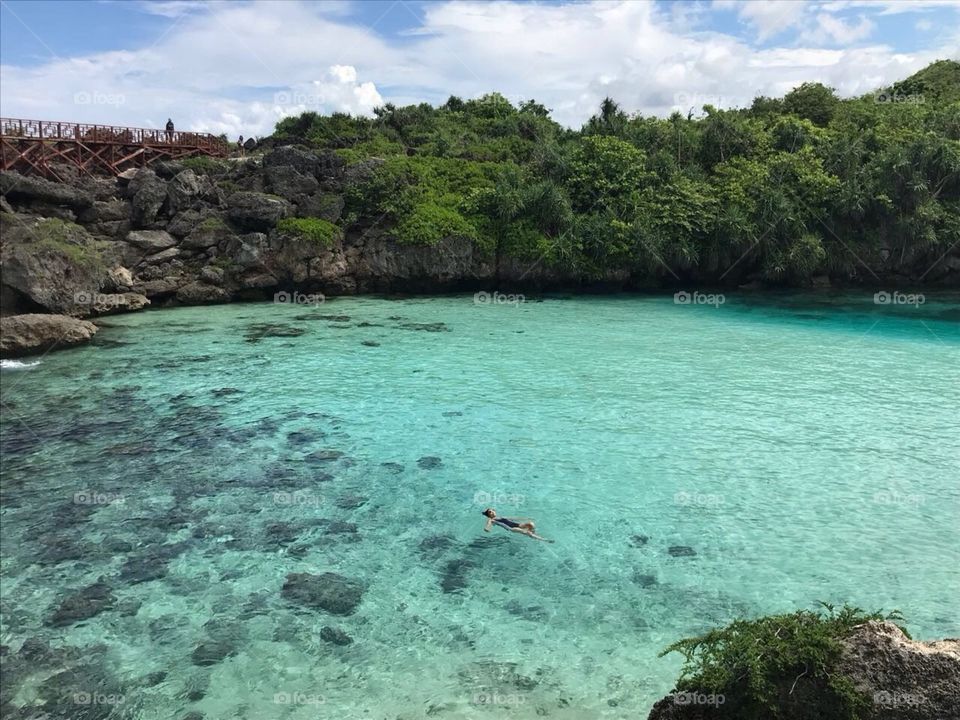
[198, 232]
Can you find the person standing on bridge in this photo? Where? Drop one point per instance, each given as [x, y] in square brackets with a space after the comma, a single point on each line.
[169, 130]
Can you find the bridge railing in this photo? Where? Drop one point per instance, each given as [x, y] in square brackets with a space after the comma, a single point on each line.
[84, 132]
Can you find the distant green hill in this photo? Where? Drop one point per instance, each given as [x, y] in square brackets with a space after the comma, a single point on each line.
[938, 82]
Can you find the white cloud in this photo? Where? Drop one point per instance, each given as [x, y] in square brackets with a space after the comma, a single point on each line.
[833, 30]
[890, 7]
[239, 67]
[337, 91]
[344, 73]
[772, 18]
[172, 8]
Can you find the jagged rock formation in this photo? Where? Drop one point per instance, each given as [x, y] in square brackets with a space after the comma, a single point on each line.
[901, 679]
[175, 234]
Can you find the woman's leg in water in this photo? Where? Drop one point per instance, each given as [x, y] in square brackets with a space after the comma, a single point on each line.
[529, 533]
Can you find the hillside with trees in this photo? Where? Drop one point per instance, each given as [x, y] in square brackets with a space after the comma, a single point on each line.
[783, 191]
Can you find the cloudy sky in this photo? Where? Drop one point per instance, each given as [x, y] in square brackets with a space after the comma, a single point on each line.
[237, 67]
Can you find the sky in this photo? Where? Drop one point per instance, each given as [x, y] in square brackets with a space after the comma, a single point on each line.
[238, 67]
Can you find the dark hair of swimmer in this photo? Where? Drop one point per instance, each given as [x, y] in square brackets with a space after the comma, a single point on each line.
[489, 513]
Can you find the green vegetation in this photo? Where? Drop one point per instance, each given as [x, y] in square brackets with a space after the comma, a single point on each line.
[935, 83]
[212, 224]
[314, 229]
[205, 164]
[70, 240]
[224, 262]
[228, 186]
[755, 664]
[786, 189]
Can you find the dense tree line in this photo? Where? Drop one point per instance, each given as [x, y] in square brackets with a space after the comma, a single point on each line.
[784, 190]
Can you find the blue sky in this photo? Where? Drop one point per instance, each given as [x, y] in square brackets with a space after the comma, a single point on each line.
[240, 66]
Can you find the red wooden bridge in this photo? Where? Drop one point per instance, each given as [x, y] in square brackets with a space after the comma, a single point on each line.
[39, 146]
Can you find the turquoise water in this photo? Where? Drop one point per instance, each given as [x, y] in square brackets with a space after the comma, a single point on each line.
[788, 448]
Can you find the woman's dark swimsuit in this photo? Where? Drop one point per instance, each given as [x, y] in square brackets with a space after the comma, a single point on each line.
[507, 523]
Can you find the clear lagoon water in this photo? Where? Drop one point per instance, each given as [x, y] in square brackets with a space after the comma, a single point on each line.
[693, 464]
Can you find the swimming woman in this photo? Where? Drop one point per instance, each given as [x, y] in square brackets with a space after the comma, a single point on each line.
[524, 526]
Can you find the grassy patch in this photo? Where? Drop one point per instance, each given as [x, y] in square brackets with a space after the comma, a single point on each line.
[71, 241]
[204, 164]
[224, 262]
[212, 224]
[314, 229]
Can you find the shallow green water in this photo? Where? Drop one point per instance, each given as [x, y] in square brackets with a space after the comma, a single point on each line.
[804, 448]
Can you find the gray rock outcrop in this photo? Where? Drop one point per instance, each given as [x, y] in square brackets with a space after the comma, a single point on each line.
[34, 333]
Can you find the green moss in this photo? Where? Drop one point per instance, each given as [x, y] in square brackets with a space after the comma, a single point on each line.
[71, 241]
[224, 262]
[750, 662]
[314, 229]
[204, 164]
[212, 224]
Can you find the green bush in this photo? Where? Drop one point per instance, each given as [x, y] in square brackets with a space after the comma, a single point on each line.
[749, 662]
[314, 229]
[429, 223]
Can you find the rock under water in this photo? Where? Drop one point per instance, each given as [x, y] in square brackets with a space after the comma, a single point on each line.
[327, 591]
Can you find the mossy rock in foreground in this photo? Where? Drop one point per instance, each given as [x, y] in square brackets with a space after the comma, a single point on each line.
[836, 665]
[53, 263]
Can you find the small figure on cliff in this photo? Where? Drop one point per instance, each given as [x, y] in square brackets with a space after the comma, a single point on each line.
[524, 526]
[169, 130]
[240, 145]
